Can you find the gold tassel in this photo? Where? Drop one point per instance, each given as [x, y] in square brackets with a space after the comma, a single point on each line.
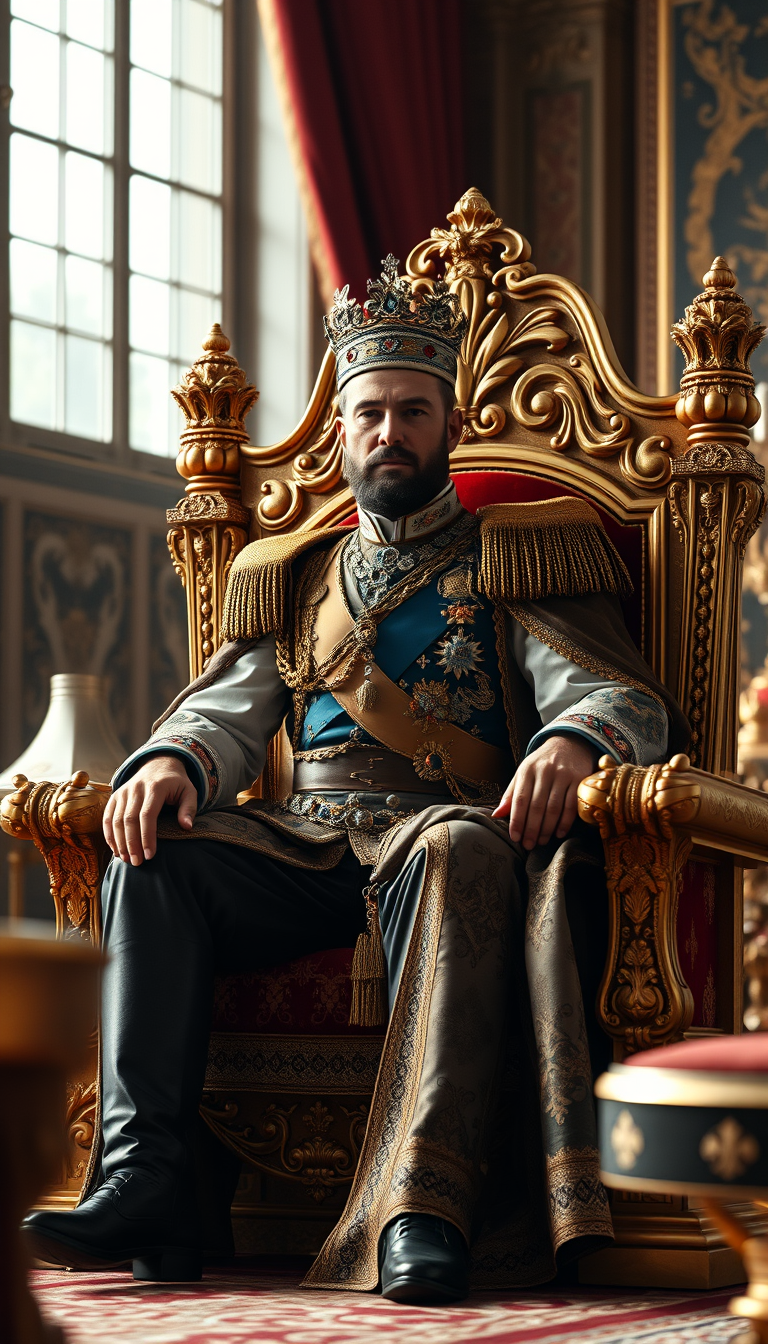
[553, 548]
[259, 587]
[367, 694]
[369, 971]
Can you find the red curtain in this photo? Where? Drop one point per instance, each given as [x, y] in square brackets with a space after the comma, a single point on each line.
[371, 92]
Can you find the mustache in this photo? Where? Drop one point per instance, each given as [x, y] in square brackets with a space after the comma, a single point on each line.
[388, 453]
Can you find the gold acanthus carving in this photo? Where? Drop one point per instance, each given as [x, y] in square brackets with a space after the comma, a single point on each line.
[208, 532]
[64, 821]
[548, 397]
[716, 502]
[643, 999]
[321, 1160]
[80, 1121]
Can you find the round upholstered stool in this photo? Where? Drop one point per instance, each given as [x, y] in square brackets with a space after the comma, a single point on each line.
[692, 1119]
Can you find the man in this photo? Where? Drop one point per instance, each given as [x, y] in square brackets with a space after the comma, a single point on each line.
[447, 681]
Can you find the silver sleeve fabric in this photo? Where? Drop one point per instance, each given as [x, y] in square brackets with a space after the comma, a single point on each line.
[616, 719]
[222, 733]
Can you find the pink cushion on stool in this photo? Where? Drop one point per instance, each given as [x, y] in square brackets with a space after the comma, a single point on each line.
[718, 1054]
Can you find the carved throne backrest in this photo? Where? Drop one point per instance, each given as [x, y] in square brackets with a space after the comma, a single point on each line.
[544, 397]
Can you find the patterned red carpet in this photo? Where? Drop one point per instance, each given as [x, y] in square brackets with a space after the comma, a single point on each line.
[267, 1307]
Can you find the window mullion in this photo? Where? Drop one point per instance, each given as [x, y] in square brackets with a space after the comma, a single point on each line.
[5, 297]
[120, 236]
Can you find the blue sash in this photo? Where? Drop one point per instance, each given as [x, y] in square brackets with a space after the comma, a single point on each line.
[405, 633]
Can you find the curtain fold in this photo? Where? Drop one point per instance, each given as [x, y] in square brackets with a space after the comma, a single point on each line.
[371, 92]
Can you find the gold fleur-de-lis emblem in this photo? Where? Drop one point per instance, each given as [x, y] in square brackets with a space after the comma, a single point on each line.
[728, 1149]
[627, 1141]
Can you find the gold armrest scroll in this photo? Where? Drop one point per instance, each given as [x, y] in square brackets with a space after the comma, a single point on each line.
[662, 799]
[64, 821]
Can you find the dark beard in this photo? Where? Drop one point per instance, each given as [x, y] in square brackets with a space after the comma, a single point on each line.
[390, 497]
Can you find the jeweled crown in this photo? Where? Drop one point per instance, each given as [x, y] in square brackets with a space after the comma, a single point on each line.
[396, 328]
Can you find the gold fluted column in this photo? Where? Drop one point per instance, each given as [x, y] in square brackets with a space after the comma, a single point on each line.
[210, 524]
[716, 502]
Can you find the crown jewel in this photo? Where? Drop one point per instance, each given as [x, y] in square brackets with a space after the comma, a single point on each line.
[396, 328]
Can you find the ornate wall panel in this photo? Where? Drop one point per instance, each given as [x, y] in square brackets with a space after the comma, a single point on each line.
[702, 184]
[77, 592]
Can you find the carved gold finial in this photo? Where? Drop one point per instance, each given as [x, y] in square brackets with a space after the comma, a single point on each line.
[717, 337]
[719, 275]
[215, 397]
[468, 244]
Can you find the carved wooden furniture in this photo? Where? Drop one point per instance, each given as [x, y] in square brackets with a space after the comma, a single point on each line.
[548, 411]
[48, 1004]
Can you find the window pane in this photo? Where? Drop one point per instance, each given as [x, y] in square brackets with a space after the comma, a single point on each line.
[195, 315]
[33, 374]
[87, 291]
[86, 388]
[200, 46]
[88, 224]
[199, 129]
[34, 189]
[89, 21]
[150, 124]
[33, 280]
[198, 229]
[149, 315]
[44, 12]
[35, 79]
[86, 102]
[151, 35]
[150, 383]
[150, 228]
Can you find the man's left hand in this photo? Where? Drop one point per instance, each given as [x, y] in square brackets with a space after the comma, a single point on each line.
[540, 801]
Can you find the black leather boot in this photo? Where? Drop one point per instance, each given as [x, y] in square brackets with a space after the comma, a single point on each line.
[131, 1218]
[156, 1006]
[423, 1259]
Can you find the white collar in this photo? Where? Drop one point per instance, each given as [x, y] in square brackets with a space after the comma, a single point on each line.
[437, 513]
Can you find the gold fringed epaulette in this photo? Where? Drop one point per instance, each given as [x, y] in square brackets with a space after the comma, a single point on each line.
[549, 548]
[258, 592]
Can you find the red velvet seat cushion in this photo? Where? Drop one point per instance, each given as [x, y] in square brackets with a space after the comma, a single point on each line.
[310, 996]
[718, 1054]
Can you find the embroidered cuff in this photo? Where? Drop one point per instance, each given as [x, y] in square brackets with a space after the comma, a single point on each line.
[621, 722]
[201, 763]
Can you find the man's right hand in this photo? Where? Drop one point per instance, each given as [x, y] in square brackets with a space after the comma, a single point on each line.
[130, 819]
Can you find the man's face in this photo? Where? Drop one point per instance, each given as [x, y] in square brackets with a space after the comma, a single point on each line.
[397, 433]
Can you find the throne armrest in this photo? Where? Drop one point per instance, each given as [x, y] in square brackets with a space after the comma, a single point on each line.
[649, 819]
[65, 823]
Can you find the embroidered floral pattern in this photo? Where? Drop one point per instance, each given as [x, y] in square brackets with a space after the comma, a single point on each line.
[460, 613]
[430, 703]
[202, 755]
[376, 568]
[460, 655]
[630, 723]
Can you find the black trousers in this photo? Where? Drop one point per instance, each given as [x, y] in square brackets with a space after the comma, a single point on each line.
[198, 908]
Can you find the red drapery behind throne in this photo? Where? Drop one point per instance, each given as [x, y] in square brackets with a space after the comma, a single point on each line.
[371, 96]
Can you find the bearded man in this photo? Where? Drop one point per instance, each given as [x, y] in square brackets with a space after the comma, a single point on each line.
[447, 680]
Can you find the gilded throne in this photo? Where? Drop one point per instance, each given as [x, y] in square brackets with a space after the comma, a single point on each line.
[548, 412]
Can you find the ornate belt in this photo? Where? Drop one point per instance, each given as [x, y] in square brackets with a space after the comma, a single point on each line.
[374, 771]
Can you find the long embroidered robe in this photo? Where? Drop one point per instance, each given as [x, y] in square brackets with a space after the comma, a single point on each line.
[482, 1112]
